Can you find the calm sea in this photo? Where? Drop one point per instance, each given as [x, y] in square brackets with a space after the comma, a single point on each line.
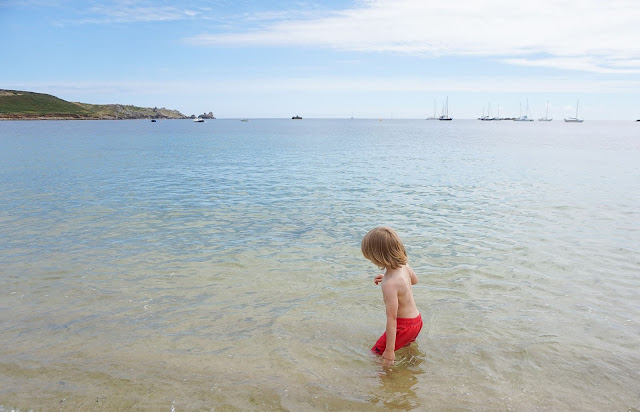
[217, 266]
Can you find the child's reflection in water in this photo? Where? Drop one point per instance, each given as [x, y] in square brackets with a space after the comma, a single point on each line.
[397, 382]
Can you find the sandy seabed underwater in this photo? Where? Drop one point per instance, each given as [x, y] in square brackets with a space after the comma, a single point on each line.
[173, 265]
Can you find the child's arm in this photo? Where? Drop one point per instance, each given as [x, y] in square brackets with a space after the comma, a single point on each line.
[390, 295]
[414, 277]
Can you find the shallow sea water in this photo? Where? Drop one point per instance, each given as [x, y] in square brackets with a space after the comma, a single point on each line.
[216, 266]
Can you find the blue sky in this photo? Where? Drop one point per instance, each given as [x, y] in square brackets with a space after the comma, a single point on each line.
[369, 58]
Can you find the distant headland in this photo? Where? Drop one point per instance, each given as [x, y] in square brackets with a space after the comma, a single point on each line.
[21, 105]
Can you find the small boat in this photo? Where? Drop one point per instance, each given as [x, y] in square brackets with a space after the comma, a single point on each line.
[484, 118]
[244, 120]
[524, 118]
[497, 118]
[445, 111]
[153, 120]
[434, 117]
[546, 117]
[487, 117]
[198, 120]
[296, 117]
[574, 119]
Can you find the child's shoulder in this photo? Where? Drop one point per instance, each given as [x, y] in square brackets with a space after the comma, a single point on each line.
[399, 275]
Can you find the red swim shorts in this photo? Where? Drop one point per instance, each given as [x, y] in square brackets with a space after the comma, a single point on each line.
[407, 331]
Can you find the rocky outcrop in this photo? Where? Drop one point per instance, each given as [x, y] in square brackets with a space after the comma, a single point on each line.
[122, 112]
[204, 116]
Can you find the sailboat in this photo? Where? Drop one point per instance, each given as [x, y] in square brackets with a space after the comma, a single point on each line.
[497, 118]
[574, 119]
[434, 112]
[445, 111]
[488, 116]
[524, 118]
[546, 117]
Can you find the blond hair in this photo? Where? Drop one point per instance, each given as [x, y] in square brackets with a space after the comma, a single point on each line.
[383, 247]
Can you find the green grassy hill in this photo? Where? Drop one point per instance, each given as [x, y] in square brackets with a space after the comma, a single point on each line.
[28, 105]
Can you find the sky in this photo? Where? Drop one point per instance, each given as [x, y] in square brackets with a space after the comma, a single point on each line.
[330, 59]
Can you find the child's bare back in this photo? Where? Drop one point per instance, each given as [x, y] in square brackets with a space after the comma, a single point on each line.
[398, 282]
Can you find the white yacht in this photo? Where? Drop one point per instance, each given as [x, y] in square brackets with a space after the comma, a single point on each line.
[486, 117]
[524, 118]
[434, 117]
[445, 111]
[546, 117]
[574, 119]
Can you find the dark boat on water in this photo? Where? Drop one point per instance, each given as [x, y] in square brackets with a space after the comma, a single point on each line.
[296, 117]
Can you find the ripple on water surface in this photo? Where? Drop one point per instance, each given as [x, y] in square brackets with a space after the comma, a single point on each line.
[219, 266]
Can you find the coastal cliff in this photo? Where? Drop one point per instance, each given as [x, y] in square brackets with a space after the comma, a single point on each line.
[21, 105]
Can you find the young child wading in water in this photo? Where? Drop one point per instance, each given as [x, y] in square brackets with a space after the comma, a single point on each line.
[383, 247]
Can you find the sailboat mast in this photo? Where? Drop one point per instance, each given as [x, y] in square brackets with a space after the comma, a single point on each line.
[546, 115]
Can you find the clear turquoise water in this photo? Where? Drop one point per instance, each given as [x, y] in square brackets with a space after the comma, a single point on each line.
[217, 265]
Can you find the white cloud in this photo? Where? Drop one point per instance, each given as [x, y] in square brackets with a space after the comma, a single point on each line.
[132, 11]
[589, 35]
[125, 11]
[587, 64]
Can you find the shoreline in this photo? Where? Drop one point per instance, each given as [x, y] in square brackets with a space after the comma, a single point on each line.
[54, 117]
